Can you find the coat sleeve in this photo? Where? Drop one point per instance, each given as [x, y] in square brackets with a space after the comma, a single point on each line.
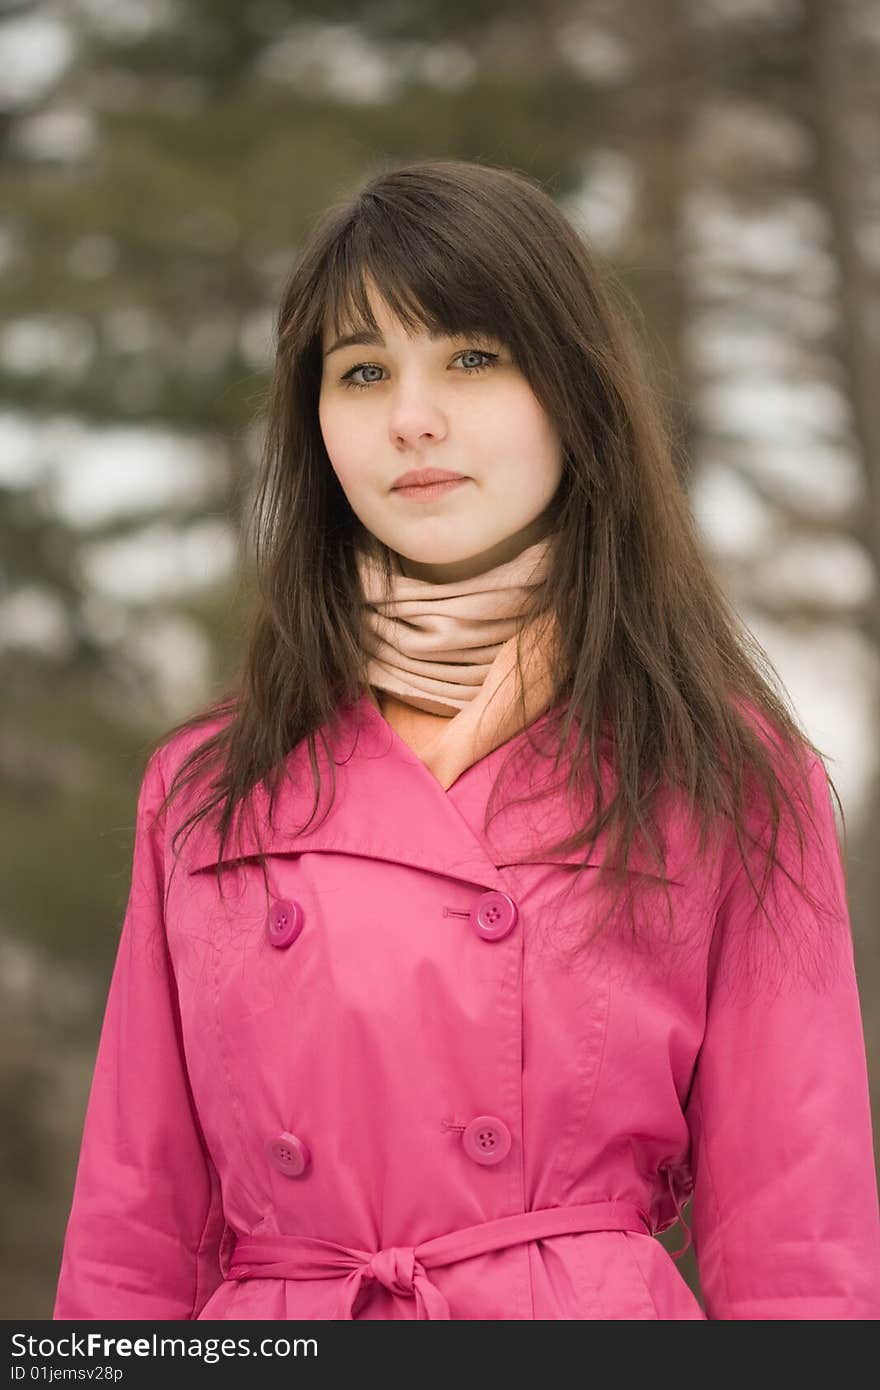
[785, 1213]
[145, 1223]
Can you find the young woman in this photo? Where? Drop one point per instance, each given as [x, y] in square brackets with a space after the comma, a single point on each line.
[498, 909]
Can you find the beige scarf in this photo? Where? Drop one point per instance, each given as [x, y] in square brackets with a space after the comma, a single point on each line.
[450, 650]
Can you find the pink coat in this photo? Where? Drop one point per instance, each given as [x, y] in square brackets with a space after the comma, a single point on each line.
[392, 1097]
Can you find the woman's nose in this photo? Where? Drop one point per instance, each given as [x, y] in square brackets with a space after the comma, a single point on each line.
[416, 419]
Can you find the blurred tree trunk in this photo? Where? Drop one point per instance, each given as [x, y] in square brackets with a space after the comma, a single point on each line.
[838, 111]
[655, 115]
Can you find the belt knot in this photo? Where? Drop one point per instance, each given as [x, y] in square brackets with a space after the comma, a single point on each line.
[395, 1268]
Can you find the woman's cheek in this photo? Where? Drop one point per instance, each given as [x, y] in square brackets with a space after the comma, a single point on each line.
[339, 442]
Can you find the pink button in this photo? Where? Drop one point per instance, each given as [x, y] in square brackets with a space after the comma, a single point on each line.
[289, 1154]
[486, 1139]
[493, 916]
[285, 921]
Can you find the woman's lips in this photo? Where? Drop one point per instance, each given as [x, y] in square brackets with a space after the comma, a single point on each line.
[423, 491]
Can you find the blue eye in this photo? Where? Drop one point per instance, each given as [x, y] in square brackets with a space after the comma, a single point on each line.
[348, 378]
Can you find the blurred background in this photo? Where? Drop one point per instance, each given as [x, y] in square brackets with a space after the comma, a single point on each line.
[161, 160]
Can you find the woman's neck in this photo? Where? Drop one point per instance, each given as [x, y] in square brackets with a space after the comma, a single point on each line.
[475, 565]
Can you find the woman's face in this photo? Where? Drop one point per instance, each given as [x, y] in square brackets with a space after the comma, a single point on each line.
[410, 402]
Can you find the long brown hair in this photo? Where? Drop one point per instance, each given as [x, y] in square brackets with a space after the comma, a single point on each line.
[655, 670]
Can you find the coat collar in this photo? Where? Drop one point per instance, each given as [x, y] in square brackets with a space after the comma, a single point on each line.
[388, 805]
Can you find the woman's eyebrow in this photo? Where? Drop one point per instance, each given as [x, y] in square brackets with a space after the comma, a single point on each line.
[365, 337]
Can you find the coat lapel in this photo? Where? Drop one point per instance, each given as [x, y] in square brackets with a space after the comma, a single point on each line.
[387, 805]
[425, 809]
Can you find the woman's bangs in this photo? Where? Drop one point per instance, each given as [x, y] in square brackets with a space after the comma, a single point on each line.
[440, 303]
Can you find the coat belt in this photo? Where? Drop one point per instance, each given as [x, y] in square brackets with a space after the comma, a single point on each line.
[403, 1269]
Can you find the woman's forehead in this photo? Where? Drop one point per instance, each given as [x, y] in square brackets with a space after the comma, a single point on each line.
[348, 313]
